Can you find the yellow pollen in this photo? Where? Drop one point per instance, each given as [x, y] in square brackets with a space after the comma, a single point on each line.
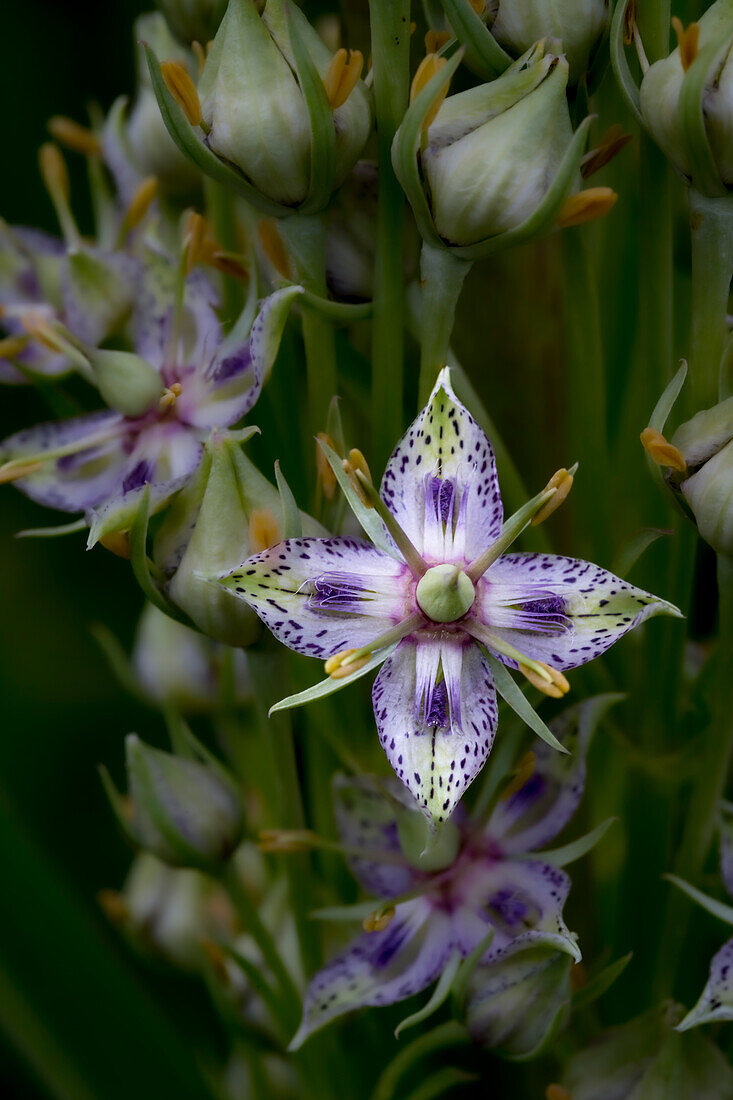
[356, 484]
[12, 346]
[113, 905]
[170, 396]
[339, 666]
[264, 531]
[610, 144]
[687, 41]
[273, 247]
[183, 90]
[435, 40]
[379, 919]
[342, 76]
[285, 840]
[546, 679]
[562, 482]
[14, 470]
[54, 172]
[522, 774]
[662, 452]
[358, 462]
[557, 1092]
[118, 543]
[79, 139]
[586, 206]
[140, 202]
[326, 476]
[426, 70]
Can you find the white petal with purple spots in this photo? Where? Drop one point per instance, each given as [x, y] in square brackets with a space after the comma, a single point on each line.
[366, 819]
[716, 1001]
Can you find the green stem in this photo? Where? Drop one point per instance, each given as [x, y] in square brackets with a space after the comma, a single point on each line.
[656, 296]
[711, 226]
[442, 276]
[710, 780]
[222, 211]
[587, 386]
[390, 31]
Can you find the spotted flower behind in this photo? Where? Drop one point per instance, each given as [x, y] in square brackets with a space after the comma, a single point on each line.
[439, 603]
[496, 886]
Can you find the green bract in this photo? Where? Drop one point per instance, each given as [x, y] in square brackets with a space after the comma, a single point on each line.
[706, 444]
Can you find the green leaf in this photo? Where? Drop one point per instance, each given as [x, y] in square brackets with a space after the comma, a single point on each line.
[516, 699]
[717, 908]
[602, 981]
[367, 517]
[576, 849]
[329, 685]
[439, 995]
[484, 55]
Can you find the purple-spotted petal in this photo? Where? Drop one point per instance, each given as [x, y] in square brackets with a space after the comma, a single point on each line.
[319, 596]
[153, 315]
[380, 968]
[532, 816]
[560, 610]
[436, 713]
[83, 477]
[367, 820]
[716, 1001]
[441, 481]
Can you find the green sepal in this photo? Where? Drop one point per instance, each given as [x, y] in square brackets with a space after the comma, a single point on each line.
[514, 696]
[597, 985]
[254, 975]
[711, 905]
[367, 517]
[484, 56]
[624, 79]
[141, 563]
[292, 524]
[323, 134]
[117, 803]
[438, 997]
[576, 849]
[466, 969]
[329, 685]
[691, 118]
[196, 150]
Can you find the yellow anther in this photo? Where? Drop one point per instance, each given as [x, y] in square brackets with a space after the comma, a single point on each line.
[610, 144]
[629, 22]
[170, 396]
[426, 70]
[562, 482]
[285, 840]
[478, 6]
[201, 54]
[54, 172]
[326, 476]
[356, 483]
[195, 230]
[183, 90]
[228, 263]
[39, 329]
[273, 247]
[557, 1092]
[522, 774]
[264, 530]
[342, 76]
[118, 543]
[113, 905]
[435, 40]
[79, 139]
[663, 453]
[550, 681]
[379, 919]
[340, 665]
[12, 346]
[358, 462]
[140, 202]
[14, 470]
[687, 41]
[586, 206]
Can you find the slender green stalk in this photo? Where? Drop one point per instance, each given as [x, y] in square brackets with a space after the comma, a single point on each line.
[656, 298]
[222, 211]
[711, 226]
[442, 276]
[390, 30]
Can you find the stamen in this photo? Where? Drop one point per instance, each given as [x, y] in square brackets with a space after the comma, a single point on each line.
[287, 840]
[356, 483]
[426, 70]
[435, 40]
[201, 54]
[629, 22]
[687, 41]
[183, 90]
[662, 452]
[118, 543]
[54, 337]
[344, 664]
[562, 482]
[348, 661]
[12, 346]
[56, 181]
[380, 919]
[359, 464]
[79, 139]
[16, 469]
[194, 233]
[511, 530]
[170, 396]
[522, 774]
[550, 681]
[342, 76]
[586, 206]
[140, 204]
[411, 555]
[478, 6]
[610, 144]
[273, 247]
[264, 531]
[325, 475]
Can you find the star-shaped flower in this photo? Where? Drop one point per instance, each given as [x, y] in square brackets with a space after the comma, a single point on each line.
[497, 889]
[439, 601]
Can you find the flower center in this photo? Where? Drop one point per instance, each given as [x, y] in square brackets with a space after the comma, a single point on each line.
[445, 593]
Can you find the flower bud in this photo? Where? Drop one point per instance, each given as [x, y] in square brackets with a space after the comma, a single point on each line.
[178, 666]
[577, 25]
[193, 20]
[492, 151]
[514, 1004]
[660, 99]
[126, 382]
[706, 444]
[186, 812]
[254, 111]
